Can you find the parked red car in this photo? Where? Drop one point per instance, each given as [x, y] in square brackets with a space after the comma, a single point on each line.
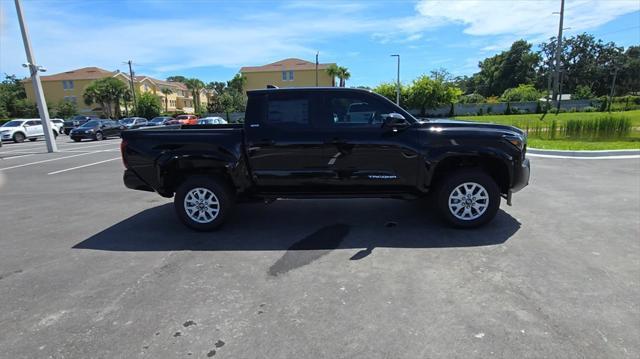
[187, 119]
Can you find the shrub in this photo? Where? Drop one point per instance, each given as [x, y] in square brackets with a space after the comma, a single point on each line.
[520, 94]
[480, 112]
[148, 106]
[492, 99]
[582, 92]
[538, 107]
[508, 110]
[472, 98]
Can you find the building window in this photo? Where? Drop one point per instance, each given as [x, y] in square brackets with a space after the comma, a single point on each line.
[284, 76]
[287, 75]
[67, 84]
[71, 99]
[290, 75]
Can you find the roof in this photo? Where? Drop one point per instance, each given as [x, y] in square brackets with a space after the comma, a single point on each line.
[286, 64]
[288, 89]
[85, 73]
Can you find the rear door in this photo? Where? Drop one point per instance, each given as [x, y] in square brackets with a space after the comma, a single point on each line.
[35, 128]
[360, 152]
[283, 145]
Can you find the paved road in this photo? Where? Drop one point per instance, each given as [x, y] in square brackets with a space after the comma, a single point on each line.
[89, 269]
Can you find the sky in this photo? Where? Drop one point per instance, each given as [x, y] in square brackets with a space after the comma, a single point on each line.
[211, 40]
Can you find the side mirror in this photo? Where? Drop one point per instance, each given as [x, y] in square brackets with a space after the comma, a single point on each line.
[394, 121]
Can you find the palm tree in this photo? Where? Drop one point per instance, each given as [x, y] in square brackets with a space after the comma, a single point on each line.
[195, 86]
[333, 70]
[166, 92]
[107, 92]
[343, 75]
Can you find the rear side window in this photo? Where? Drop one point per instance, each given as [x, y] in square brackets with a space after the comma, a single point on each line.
[288, 111]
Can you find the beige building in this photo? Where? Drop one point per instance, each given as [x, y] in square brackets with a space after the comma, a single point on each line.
[286, 73]
[70, 86]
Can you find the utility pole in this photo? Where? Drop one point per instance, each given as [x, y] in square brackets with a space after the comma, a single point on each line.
[317, 53]
[133, 90]
[556, 87]
[34, 71]
[613, 86]
[397, 81]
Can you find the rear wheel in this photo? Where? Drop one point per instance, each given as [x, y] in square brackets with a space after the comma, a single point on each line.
[98, 136]
[468, 198]
[203, 203]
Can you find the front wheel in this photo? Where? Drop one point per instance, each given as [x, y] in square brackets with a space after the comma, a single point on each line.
[98, 136]
[468, 198]
[203, 203]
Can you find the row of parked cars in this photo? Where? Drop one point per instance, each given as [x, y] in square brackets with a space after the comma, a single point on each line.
[91, 127]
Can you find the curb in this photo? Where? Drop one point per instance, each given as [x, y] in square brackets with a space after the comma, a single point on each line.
[603, 154]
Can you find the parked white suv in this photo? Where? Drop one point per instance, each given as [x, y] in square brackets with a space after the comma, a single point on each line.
[21, 129]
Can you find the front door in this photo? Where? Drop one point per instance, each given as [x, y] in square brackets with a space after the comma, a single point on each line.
[361, 154]
[284, 147]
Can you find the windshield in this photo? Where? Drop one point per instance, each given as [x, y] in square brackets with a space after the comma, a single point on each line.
[92, 123]
[127, 121]
[182, 117]
[13, 124]
[158, 119]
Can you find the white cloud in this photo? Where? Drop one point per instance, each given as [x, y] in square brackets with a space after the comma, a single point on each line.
[523, 18]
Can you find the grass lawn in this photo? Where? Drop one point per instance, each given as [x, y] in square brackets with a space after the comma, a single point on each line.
[565, 144]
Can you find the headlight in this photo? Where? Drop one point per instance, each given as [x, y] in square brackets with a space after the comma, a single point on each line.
[515, 140]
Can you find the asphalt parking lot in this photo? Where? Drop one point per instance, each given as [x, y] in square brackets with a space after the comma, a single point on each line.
[90, 269]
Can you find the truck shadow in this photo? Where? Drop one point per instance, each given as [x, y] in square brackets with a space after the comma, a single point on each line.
[302, 225]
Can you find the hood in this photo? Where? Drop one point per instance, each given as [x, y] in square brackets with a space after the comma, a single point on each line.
[458, 125]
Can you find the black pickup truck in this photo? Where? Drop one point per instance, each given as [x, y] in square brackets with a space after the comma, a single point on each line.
[327, 143]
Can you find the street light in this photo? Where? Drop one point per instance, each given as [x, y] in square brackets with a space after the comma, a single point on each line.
[34, 71]
[398, 81]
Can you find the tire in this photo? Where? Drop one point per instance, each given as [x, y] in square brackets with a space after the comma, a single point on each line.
[211, 190]
[34, 139]
[18, 137]
[451, 197]
[98, 136]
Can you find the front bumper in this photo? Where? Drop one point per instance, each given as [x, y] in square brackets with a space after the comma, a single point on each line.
[81, 136]
[131, 180]
[6, 136]
[520, 178]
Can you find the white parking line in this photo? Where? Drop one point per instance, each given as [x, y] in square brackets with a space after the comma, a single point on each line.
[83, 166]
[49, 160]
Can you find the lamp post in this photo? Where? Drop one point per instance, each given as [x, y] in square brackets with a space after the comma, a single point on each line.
[398, 81]
[34, 72]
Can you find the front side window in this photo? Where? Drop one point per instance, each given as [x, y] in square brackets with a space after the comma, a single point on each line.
[288, 111]
[355, 111]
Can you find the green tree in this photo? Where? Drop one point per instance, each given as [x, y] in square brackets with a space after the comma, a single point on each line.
[333, 70]
[66, 109]
[195, 85]
[428, 93]
[148, 105]
[521, 93]
[166, 92]
[582, 92]
[176, 78]
[389, 90]
[343, 75]
[505, 70]
[107, 92]
[237, 83]
[13, 98]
